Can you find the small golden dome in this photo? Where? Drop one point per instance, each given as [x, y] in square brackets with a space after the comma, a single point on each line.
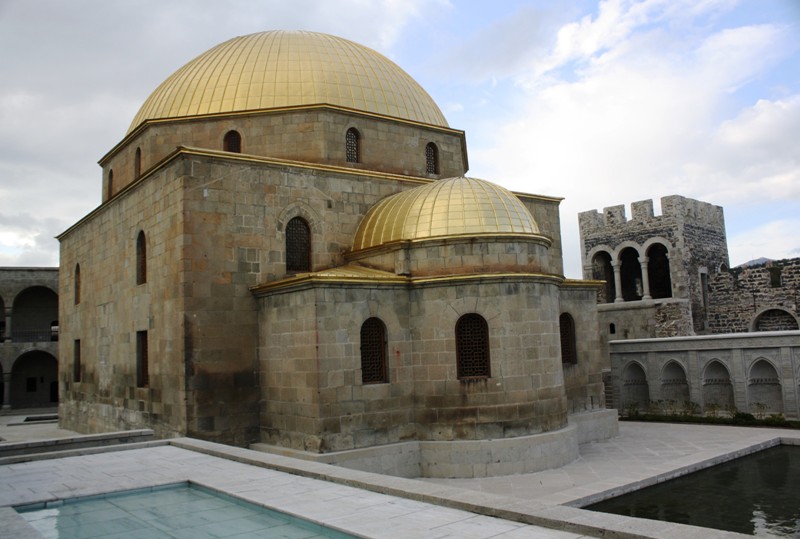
[284, 69]
[451, 207]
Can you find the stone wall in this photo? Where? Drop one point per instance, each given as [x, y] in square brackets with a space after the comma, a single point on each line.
[312, 135]
[757, 373]
[756, 298]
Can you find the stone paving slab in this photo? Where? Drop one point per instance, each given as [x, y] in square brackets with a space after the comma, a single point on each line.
[542, 504]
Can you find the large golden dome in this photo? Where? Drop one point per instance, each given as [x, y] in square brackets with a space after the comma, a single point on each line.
[284, 69]
[445, 208]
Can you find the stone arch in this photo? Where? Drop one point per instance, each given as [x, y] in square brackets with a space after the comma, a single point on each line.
[658, 270]
[34, 380]
[774, 319]
[602, 270]
[635, 389]
[311, 218]
[630, 272]
[717, 387]
[35, 312]
[674, 383]
[764, 394]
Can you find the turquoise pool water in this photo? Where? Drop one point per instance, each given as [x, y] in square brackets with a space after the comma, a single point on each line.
[177, 511]
[758, 495]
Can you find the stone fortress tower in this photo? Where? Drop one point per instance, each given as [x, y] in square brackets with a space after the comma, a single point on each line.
[656, 268]
[288, 253]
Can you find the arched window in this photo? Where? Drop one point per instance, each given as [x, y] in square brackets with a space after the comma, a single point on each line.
[566, 326]
[77, 283]
[658, 272]
[352, 145]
[232, 142]
[141, 258]
[76, 361]
[431, 158]
[373, 352]
[110, 186]
[603, 271]
[472, 347]
[137, 164]
[630, 274]
[298, 246]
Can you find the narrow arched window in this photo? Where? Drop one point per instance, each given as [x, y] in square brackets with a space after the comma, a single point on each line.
[142, 360]
[472, 347]
[76, 361]
[431, 158]
[566, 326]
[77, 283]
[298, 246]
[232, 142]
[137, 164]
[352, 145]
[373, 352]
[141, 258]
[110, 186]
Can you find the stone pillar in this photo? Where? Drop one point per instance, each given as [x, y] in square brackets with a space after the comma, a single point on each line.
[617, 282]
[645, 277]
[7, 336]
[6, 390]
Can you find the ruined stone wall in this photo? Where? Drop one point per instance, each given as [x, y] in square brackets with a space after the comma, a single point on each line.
[764, 297]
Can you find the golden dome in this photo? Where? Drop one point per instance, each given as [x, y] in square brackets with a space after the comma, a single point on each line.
[452, 207]
[284, 69]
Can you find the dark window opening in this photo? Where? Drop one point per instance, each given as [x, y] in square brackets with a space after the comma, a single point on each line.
[110, 190]
[141, 258]
[373, 352]
[232, 142]
[630, 275]
[774, 277]
[612, 329]
[30, 385]
[603, 271]
[142, 367]
[566, 326]
[431, 158]
[137, 164]
[76, 361]
[352, 145]
[77, 284]
[298, 246]
[472, 347]
[658, 272]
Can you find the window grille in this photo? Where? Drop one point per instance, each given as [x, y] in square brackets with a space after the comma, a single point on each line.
[472, 347]
[232, 142]
[567, 328]
[298, 246]
[431, 159]
[373, 352]
[351, 146]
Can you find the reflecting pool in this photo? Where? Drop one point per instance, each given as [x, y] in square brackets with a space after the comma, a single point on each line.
[758, 495]
[178, 511]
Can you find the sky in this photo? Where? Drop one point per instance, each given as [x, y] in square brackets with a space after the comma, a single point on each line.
[602, 103]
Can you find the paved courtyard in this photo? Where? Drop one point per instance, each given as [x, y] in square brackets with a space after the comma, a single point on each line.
[538, 505]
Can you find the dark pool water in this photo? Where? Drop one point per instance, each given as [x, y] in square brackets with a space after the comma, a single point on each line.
[758, 495]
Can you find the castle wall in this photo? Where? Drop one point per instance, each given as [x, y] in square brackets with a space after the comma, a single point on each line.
[757, 298]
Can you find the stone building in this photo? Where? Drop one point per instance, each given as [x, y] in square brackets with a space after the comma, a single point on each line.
[28, 337]
[288, 252]
[668, 289]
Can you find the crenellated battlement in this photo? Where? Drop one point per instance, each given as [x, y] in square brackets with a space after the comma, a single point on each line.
[674, 209]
